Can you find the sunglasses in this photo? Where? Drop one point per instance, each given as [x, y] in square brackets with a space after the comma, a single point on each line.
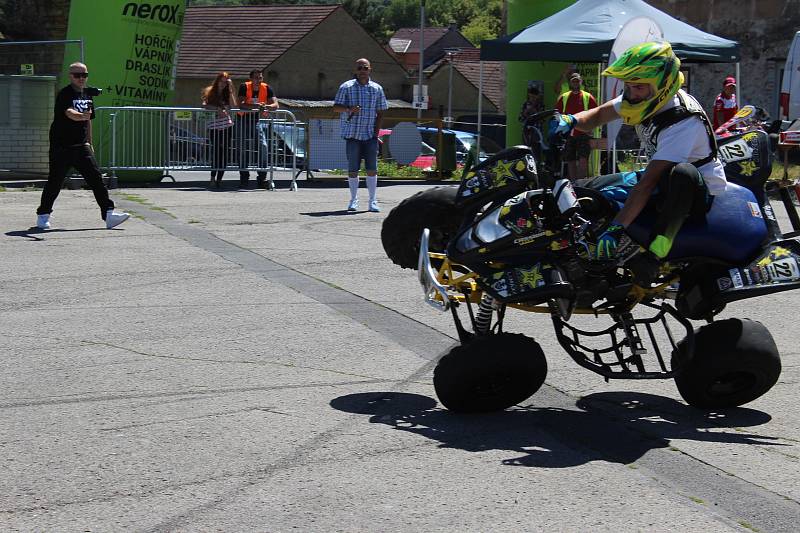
[79, 74]
[362, 67]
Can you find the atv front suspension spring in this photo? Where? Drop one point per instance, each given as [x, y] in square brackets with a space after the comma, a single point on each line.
[483, 318]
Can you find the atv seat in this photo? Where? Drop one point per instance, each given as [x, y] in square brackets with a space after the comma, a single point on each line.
[732, 231]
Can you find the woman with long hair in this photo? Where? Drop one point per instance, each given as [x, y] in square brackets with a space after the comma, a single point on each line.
[220, 97]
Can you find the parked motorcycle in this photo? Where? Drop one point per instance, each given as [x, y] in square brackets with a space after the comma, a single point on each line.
[515, 235]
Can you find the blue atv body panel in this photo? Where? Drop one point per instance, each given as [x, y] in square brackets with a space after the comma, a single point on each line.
[732, 231]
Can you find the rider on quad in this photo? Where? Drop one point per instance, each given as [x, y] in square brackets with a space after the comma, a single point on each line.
[683, 173]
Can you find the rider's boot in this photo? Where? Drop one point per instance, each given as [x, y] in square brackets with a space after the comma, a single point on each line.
[644, 267]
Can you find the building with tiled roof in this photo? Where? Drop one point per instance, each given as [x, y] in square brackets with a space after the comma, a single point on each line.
[305, 51]
[466, 79]
[405, 44]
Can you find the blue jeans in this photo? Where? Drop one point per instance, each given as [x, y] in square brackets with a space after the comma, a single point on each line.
[358, 150]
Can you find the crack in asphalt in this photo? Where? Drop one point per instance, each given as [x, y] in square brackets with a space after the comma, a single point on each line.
[228, 390]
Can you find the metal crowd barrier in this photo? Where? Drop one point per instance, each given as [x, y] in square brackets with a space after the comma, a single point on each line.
[169, 139]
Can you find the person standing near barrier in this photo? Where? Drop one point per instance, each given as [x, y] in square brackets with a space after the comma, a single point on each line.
[253, 94]
[219, 96]
[577, 150]
[361, 103]
[71, 146]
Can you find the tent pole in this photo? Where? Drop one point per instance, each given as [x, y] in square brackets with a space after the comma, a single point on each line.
[480, 110]
[739, 99]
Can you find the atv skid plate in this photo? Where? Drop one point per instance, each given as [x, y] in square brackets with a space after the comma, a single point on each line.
[620, 351]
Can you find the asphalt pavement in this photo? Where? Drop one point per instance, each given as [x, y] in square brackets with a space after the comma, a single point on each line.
[249, 360]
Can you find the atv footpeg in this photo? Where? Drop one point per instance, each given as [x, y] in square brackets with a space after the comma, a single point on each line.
[632, 348]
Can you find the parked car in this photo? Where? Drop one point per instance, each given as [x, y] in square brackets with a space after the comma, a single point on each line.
[465, 141]
[425, 161]
[186, 148]
[291, 142]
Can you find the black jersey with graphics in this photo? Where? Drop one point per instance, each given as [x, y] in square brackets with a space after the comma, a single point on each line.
[65, 131]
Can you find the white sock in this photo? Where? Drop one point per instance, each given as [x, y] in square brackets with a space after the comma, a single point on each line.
[353, 183]
[372, 187]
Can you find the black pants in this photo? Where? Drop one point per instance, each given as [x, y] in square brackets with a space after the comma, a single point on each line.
[680, 195]
[82, 158]
[220, 148]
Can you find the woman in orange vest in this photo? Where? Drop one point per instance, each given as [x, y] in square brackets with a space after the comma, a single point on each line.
[253, 94]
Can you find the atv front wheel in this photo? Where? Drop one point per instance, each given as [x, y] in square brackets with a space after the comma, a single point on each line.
[433, 209]
[490, 373]
[735, 361]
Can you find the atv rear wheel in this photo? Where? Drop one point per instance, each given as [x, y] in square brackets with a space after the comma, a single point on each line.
[490, 373]
[432, 208]
[735, 361]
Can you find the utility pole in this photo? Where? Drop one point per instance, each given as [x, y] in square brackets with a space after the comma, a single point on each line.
[421, 52]
[449, 118]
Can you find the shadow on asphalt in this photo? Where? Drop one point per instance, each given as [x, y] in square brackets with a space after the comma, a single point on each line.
[31, 233]
[338, 213]
[614, 426]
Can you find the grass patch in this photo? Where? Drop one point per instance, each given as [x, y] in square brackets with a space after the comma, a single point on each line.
[390, 169]
[135, 198]
[147, 203]
[747, 525]
[697, 500]
[777, 171]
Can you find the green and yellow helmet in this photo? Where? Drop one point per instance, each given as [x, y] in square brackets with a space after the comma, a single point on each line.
[652, 63]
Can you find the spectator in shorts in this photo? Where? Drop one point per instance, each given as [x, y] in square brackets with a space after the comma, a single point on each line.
[71, 146]
[219, 96]
[360, 103]
[576, 152]
[253, 94]
[725, 105]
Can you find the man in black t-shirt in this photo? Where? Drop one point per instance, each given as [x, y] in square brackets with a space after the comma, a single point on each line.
[253, 94]
[71, 146]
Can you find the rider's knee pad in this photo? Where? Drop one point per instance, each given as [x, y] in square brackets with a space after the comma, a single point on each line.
[685, 175]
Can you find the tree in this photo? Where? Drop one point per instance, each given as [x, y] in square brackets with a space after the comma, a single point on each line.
[478, 19]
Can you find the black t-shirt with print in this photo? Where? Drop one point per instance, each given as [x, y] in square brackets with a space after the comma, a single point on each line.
[65, 131]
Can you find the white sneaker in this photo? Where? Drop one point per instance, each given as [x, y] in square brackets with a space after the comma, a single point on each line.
[353, 205]
[373, 206]
[43, 221]
[114, 219]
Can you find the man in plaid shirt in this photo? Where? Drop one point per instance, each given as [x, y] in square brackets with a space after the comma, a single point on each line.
[361, 103]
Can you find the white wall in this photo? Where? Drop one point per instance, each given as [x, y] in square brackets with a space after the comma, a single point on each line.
[27, 104]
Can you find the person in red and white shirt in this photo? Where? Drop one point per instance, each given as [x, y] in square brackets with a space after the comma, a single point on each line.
[725, 105]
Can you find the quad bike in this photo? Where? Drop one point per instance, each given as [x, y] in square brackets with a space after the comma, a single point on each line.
[514, 235]
[748, 118]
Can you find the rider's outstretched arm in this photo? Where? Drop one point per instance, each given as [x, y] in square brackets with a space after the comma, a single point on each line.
[596, 117]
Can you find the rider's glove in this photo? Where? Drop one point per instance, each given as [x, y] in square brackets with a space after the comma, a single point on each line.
[608, 241]
[564, 125]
